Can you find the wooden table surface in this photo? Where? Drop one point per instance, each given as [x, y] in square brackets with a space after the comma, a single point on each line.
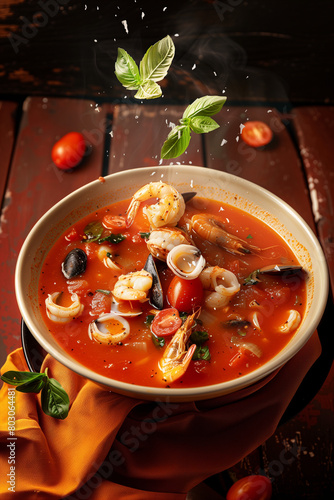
[297, 166]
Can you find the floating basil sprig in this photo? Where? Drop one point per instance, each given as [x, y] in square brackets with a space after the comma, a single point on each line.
[153, 68]
[196, 118]
[54, 399]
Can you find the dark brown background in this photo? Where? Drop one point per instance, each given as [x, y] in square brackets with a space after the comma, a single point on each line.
[274, 50]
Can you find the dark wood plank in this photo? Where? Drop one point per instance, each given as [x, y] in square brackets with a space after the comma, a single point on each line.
[35, 184]
[283, 59]
[315, 129]
[7, 137]
[138, 133]
[276, 167]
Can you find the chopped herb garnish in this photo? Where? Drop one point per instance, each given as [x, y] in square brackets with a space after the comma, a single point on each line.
[148, 320]
[198, 337]
[252, 278]
[249, 236]
[113, 238]
[144, 235]
[158, 341]
[241, 333]
[93, 231]
[202, 353]
[105, 292]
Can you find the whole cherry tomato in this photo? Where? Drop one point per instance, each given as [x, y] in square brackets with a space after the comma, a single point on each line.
[69, 151]
[256, 134]
[185, 295]
[166, 322]
[251, 488]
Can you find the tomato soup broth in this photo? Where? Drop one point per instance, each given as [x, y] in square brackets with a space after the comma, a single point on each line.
[240, 337]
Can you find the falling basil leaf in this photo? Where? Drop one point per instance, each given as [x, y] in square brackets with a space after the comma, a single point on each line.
[157, 60]
[176, 143]
[55, 401]
[113, 238]
[25, 381]
[127, 70]
[203, 124]
[207, 105]
[148, 90]
[93, 231]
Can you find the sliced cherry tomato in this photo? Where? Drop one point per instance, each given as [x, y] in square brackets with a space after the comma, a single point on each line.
[256, 134]
[114, 222]
[166, 322]
[251, 488]
[185, 295]
[68, 152]
[72, 235]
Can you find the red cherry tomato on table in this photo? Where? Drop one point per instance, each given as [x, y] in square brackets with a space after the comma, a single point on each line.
[251, 488]
[256, 134]
[166, 322]
[68, 152]
[185, 295]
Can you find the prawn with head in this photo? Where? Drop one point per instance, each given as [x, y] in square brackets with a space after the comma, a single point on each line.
[167, 211]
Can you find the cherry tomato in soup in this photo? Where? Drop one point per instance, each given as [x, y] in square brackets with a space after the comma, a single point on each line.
[185, 295]
[114, 222]
[166, 322]
[251, 488]
[256, 134]
[68, 152]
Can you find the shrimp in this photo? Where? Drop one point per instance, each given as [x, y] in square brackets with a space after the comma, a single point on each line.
[222, 283]
[166, 212]
[176, 358]
[61, 314]
[133, 286]
[162, 241]
[212, 229]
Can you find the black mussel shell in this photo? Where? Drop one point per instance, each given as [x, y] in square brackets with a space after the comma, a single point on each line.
[188, 196]
[279, 270]
[156, 295]
[74, 264]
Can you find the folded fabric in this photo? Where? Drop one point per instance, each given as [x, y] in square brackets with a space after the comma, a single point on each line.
[112, 446]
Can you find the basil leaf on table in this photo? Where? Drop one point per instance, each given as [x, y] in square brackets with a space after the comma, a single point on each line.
[25, 381]
[55, 401]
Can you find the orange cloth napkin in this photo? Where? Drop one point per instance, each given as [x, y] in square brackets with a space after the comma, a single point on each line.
[112, 446]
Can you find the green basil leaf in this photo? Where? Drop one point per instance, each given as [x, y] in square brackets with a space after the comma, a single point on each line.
[126, 71]
[105, 292]
[202, 353]
[25, 381]
[93, 231]
[144, 235]
[55, 401]
[148, 320]
[148, 90]
[113, 238]
[158, 341]
[157, 60]
[204, 106]
[176, 143]
[203, 124]
[252, 278]
[198, 337]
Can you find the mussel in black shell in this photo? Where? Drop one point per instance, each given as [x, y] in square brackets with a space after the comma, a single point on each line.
[74, 264]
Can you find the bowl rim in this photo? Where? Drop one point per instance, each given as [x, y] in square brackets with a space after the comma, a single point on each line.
[164, 393]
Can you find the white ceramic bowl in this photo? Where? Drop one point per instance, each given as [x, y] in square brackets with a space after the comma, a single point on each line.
[206, 182]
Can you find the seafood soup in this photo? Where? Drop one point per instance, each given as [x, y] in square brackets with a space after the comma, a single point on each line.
[171, 290]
